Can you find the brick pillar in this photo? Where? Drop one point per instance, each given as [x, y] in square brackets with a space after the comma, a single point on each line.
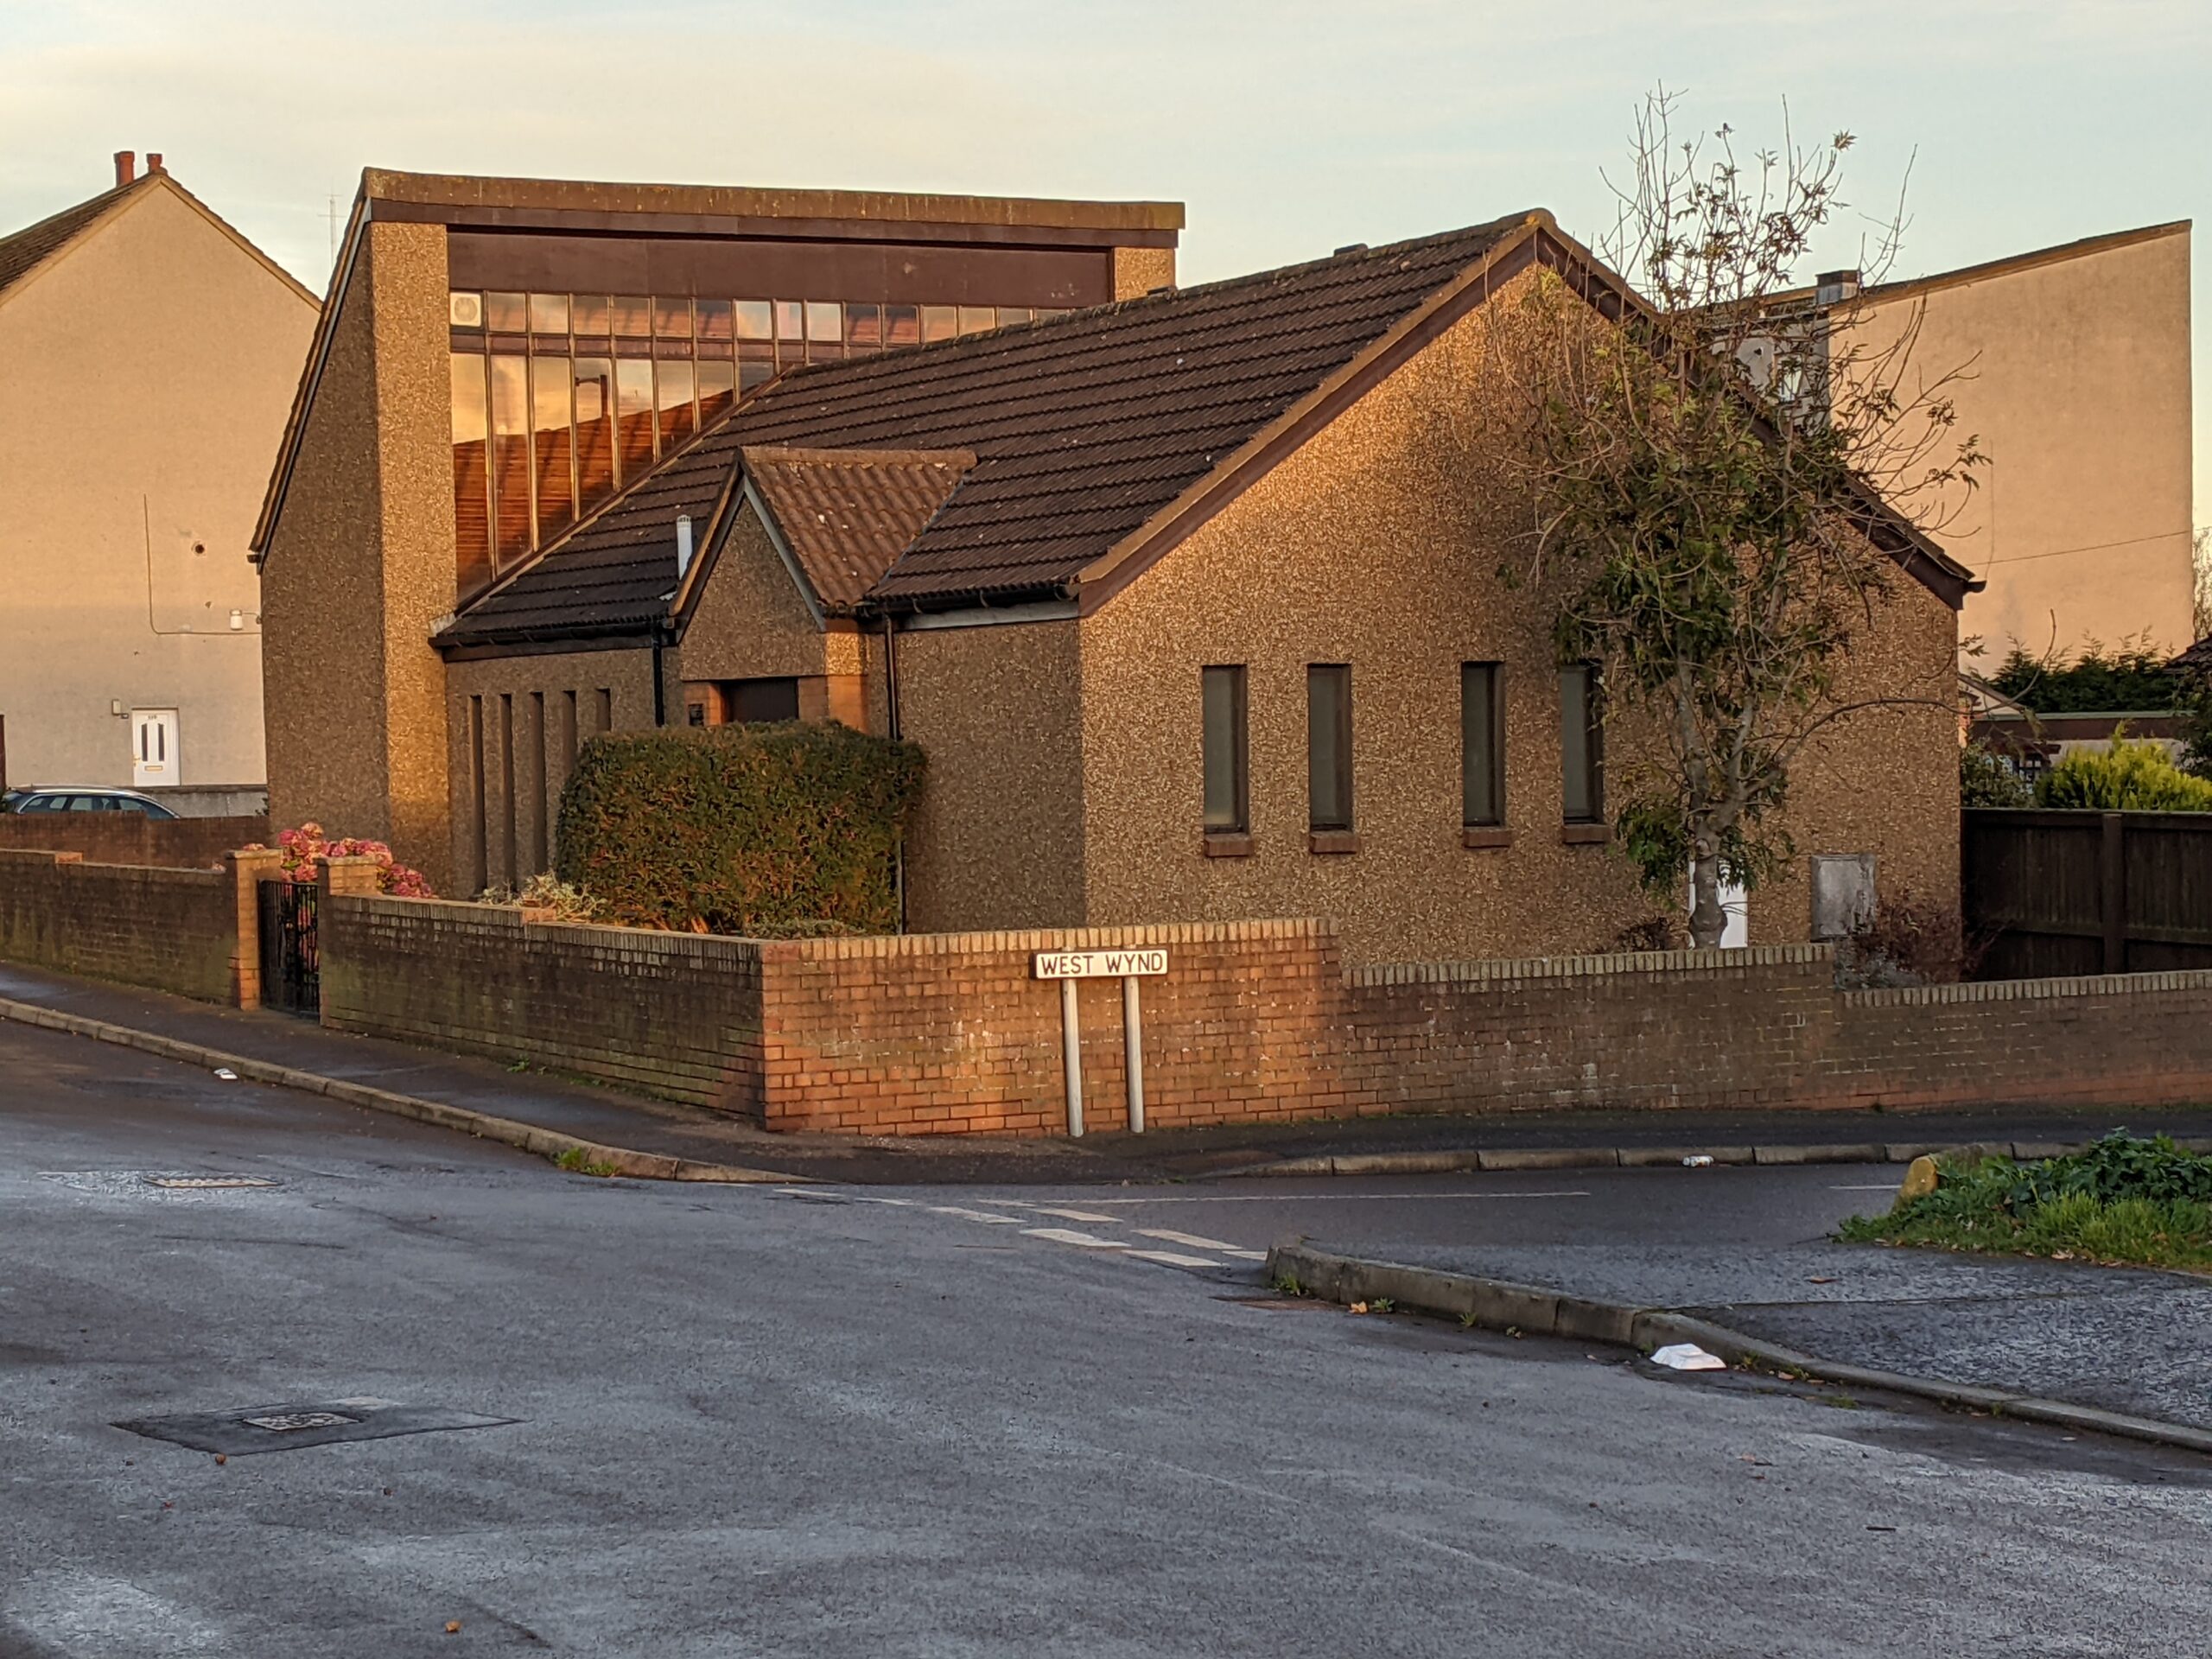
[356, 877]
[249, 869]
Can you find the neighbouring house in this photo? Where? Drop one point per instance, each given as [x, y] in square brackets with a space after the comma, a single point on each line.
[149, 351]
[1195, 602]
[2031, 743]
[500, 357]
[2073, 366]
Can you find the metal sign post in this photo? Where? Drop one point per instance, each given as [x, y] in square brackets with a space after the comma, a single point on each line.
[1128, 967]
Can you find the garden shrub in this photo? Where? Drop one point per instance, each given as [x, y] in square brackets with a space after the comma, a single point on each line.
[782, 830]
[303, 846]
[2126, 778]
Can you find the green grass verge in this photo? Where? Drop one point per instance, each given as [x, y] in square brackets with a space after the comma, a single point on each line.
[2126, 1201]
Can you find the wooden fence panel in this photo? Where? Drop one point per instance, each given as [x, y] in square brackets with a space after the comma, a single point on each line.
[2088, 892]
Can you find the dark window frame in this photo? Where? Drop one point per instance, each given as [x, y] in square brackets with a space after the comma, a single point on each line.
[1490, 763]
[1592, 743]
[1339, 763]
[1238, 760]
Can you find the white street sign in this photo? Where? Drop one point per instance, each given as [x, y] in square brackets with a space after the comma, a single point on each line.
[1099, 964]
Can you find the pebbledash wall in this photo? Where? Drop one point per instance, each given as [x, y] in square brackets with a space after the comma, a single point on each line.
[1254, 1020]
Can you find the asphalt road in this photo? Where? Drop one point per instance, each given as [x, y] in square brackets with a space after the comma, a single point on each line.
[743, 1422]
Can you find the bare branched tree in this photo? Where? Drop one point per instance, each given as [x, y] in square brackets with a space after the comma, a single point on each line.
[1704, 477]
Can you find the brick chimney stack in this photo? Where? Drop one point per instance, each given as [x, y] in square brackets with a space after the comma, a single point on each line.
[126, 166]
[154, 161]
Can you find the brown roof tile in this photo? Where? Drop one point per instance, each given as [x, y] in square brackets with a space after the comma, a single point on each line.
[847, 514]
[1084, 428]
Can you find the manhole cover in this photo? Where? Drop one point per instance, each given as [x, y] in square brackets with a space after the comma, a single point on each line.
[292, 1422]
[284, 1428]
[206, 1183]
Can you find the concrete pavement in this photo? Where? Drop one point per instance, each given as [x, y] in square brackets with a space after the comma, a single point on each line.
[751, 1422]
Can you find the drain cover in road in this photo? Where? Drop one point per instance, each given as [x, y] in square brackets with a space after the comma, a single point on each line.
[286, 1427]
[206, 1183]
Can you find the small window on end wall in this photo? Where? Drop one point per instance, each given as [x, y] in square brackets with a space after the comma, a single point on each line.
[1482, 746]
[1581, 744]
[1328, 747]
[1222, 750]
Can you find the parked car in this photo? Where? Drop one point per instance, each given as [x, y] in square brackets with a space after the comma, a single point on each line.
[83, 800]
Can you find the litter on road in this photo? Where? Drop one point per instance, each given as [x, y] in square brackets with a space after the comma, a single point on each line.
[1698, 1160]
[225, 1074]
[1688, 1356]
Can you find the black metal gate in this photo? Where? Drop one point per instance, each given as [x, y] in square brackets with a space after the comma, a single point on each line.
[290, 970]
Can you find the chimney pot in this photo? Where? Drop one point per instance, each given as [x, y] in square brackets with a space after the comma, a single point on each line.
[154, 161]
[126, 166]
[1834, 287]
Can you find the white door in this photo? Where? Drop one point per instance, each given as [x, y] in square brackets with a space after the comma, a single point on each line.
[1736, 933]
[153, 748]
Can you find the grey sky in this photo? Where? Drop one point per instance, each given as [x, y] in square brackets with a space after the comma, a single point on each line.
[1288, 128]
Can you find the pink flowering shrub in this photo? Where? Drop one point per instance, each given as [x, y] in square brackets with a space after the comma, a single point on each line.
[303, 846]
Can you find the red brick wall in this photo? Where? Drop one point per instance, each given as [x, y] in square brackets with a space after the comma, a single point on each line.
[947, 1034]
[126, 838]
[1715, 1028]
[174, 930]
[939, 1033]
[674, 1014]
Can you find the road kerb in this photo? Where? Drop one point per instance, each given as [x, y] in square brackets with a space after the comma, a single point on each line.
[596, 1156]
[1535, 1309]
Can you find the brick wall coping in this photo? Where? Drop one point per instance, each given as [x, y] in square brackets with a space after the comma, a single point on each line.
[2022, 990]
[1024, 940]
[40, 856]
[1591, 966]
[606, 935]
[843, 948]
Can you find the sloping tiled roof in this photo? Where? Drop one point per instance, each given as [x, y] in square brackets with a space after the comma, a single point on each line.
[30, 247]
[616, 570]
[2198, 659]
[1084, 428]
[847, 514]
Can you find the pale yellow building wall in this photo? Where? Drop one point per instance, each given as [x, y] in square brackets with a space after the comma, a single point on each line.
[997, 837]
[1378, 544]
[1137, 272]
[148, 370]
[2074, 375]
[361, 567]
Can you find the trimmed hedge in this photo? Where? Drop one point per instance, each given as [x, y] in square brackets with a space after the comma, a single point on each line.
[742, 829]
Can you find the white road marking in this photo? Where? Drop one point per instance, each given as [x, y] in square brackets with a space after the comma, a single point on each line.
[1336, 1197]
[1199, 1243]
[1070, 1215]
[974, 1215]
[1171, 1259]
[1068, 1236]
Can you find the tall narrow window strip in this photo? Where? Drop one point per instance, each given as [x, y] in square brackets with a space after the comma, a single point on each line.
[1328, 745]
[634, 417]
[717, 387]
[472, 477]
[511, 459]
[1222, 750]
[1581, 746]
[594, 391]
[552, 444]
[679, 415]
[1482, 745]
